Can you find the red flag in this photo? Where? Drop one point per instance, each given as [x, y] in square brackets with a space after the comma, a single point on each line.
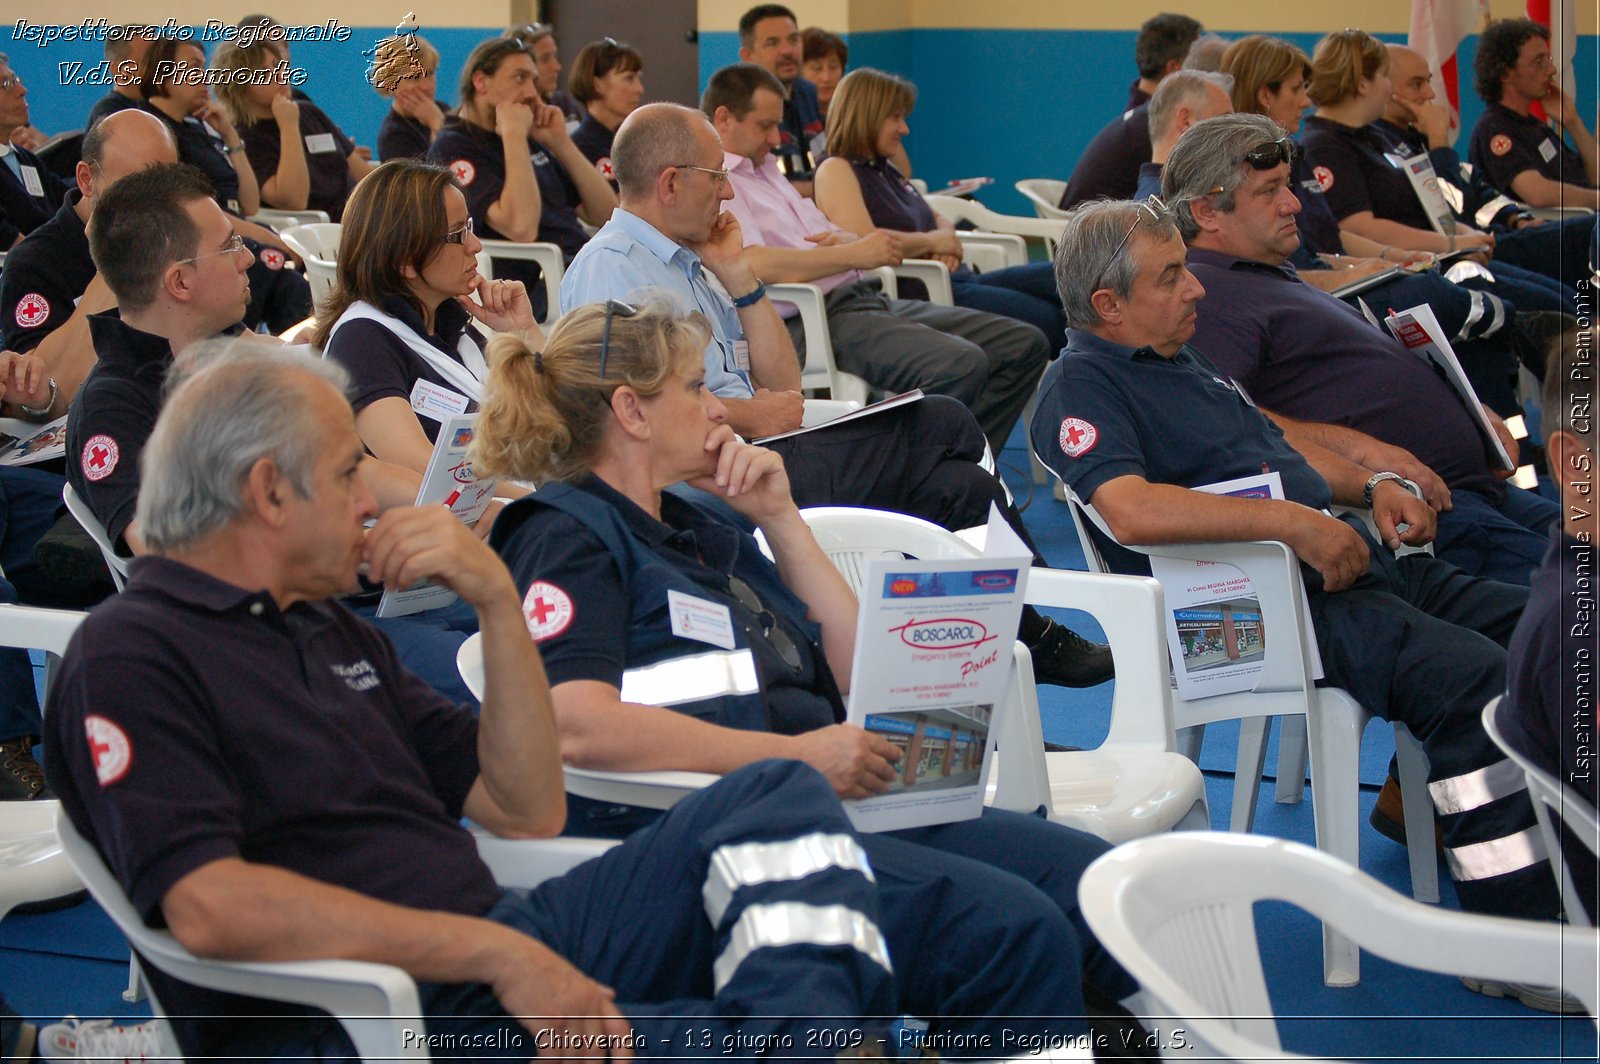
[1437, 29]
[1558, 16]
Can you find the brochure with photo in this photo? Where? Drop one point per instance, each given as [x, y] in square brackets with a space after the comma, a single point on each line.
[26, 442]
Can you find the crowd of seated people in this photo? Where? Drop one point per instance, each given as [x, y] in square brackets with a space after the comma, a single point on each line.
[261, 494]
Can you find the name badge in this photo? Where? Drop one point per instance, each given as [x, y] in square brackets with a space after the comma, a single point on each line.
[741, 354]
[436, 401]
[1547, 149]
[700, 620]
[539, 158]
[30, 178]
[320, 143]
[1242, 393]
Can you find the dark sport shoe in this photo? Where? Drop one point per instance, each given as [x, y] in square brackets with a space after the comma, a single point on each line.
[1064, 658]
[21, 778]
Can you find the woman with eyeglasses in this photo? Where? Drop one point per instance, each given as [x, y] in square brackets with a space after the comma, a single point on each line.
[1368, 186]
[606, 80]
[608, 419]
[302, 159]
[400, 317]
[860, 189]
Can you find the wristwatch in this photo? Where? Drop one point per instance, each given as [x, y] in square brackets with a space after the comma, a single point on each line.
[41, 411]
[1378, 478]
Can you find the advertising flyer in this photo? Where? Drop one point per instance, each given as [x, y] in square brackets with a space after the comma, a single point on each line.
[933, 657]
[24, 443]
[1418, 329]
[448, 480]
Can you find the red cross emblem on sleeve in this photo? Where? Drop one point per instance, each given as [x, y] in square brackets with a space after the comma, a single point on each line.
[607, 171]
[464, 171]
[99, 459]
[547, 609]
[1324, 177]
[1077, 437]
[1500, 144]
[32, 310]
[109, 748]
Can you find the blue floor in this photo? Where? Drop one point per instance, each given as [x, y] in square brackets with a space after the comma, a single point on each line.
[75, 961]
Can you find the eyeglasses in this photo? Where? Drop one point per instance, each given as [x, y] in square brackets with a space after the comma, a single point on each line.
[614, 307]
[235, 243]
[459, 236]
[10, 84]
[774, 632]
[1158, 212]
[718, 177]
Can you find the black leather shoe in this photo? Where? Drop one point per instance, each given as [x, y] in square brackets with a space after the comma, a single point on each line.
[21, 778]
[1064, 658]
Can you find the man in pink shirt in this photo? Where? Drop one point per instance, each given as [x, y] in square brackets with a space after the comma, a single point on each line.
[989, 362]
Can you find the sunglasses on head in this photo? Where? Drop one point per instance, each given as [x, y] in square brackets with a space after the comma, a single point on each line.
[614, 307]
[1273, 153]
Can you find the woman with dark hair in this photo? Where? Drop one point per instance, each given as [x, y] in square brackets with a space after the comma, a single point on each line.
[400, 316]
[606, 80]
[406, 69]
[823, 59]
[860, 189]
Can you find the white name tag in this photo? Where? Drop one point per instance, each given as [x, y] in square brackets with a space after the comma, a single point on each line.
[741, 354]
[700, 620]
[1242, 393]
[436, 401]
[320, 143]
[1547, 149]
[30, 178]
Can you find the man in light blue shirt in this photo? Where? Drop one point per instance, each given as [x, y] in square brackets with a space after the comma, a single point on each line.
[927, 458]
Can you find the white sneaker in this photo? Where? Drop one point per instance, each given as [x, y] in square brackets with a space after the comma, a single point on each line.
[73, 1039]
[1543, 998]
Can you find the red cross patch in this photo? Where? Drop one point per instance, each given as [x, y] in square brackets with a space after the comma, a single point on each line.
[1499, 143]
[547, 609]
[464, 171]
[1324, 177]
[603, 164]
[32, 309]
[109, 747]
[1077, 437]
[272, 258]
[99, 459]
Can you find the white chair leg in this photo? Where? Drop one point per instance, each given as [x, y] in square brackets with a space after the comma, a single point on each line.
[1291, 759]
[1412, 764]
[135, 992]
[1333, 733]
[1190, 740]
[1247, 771]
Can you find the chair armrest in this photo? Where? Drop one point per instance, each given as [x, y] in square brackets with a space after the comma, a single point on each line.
[1555, 214]
[992, 251]
[547, 256]
[652, 790]
[275, 219]
[822, 411]
[932, 273]
[526, 863]
[959, 210]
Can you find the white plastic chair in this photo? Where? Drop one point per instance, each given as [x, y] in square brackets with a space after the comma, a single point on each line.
[1177, 912]
[91, 524]
[548, 258]
[821, 373]
[1134, 784]
[273, 218]
[1333, 720]
[317, 244]
[374, 1003]
[1045, 194]
[992, 225]
[1554, 803]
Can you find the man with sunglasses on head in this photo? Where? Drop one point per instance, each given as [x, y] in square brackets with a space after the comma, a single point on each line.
[523, 177]
[1304, 355]
[1132, 418]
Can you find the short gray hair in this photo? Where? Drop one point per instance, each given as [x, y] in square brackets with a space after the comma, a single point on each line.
[1088, 255]
[1210, 156]
[232, 403]
[652, 138]
[1206, 52]
[1183, 88]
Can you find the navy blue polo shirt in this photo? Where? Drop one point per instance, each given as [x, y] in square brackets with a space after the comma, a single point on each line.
[1553, 646]
[1319, 229]
[1357, 177]
[403, 137]
[21, 209]
[194, 721]
[802, 122]
[1505, 144]
[326, 147]
[109, 104]
[1109, 166]
[1468, 181]
[43, 278]
[382, 366]
[200, 147]
[539, 543]
[1108, 411]
[112, 417]
[594, 140]
[1304, 353]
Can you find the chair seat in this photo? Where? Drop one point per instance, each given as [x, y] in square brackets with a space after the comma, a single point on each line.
[32, 864]
[1122, 795]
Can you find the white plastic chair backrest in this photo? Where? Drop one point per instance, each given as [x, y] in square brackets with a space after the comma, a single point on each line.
[1177, 911]
[1554, 803]
[316, 240]
[1045, 194]
[91, 524]
[851, 537]
[959, 209]
[552, 267]
[273, 218]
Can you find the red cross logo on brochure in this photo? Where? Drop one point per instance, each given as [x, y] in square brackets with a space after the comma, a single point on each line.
[109, 747]
[1077, 437]
[464, 171]
[32, 310]
[547, 609]
[99, 458]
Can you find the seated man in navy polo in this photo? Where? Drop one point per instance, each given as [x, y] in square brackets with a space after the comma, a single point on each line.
[1520, 154]
[1303, 354]
[30, 191]
[266, 780]
[1550, 710]
[769, 36]
[523, 177]
[1132, 418]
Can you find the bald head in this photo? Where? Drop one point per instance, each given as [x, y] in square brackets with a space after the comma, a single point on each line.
[121, 144]
[652, 138]
[1413, 84]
